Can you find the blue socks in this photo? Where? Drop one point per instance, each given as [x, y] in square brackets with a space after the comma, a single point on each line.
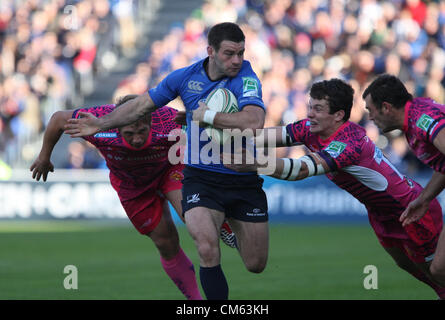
[214, 283]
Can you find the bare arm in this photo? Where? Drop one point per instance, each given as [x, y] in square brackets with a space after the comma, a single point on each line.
[42, 165]
[283, 168]
[437, 182]
[127, 113]
[251, 117]
[274, 137]
[417, 208]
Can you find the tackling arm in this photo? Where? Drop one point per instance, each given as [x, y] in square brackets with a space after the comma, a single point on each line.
[437, 182]
[42, 165]
[274, 137]
[283, 168]
[301, 168]
[418, 207]
[127, 113]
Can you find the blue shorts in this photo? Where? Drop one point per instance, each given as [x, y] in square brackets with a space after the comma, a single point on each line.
[240, 197]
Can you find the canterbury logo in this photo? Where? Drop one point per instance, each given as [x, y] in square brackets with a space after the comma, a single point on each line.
[193, 198]
[195, 85]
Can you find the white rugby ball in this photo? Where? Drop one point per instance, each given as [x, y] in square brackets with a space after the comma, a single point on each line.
[220, 100]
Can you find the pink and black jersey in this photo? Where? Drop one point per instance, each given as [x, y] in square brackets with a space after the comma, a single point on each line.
[359, 167]
[424, 118]
[134, 171]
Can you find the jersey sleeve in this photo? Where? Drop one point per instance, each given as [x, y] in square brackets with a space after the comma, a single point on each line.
[168, 89]
[343, 153]
[429, 119]
[98, 111]
[298, 131]
[433, 125]
[247, 88]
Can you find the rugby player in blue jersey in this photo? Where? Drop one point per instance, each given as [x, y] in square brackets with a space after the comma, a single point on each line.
[211, 192]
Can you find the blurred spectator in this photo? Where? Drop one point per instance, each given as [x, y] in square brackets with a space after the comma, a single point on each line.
[50, 54]
[290, 43]
[82, 155]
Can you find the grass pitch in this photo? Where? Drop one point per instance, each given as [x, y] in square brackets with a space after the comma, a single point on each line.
[320, 262]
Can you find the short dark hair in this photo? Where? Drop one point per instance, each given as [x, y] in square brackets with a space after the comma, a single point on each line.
[388, 88]
[224, 31]
[338, 93]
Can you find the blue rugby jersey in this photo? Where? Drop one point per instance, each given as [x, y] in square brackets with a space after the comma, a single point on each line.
[193, 85]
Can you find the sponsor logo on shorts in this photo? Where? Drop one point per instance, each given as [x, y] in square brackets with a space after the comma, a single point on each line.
[176, 176]
[429, 258]
[256, 213]
[147, 223]
[194, 198]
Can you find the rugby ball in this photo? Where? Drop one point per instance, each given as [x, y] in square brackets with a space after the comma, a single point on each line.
[220, 100]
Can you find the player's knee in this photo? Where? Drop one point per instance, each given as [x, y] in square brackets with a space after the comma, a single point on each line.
[167, 246]
[438, 275]
[208, 252]
[256, 265]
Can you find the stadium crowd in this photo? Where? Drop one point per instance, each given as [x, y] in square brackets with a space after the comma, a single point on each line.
[50, 53]
[290, 43]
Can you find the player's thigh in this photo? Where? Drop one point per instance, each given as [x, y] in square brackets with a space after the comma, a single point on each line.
[165, 236]
[438, 264]
[401, 258]
[175, 198]
[204, 226]
[253, 243]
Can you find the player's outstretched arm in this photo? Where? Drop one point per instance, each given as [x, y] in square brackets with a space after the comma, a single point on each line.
[127, 113]
[417, 208]
[42, 164]
[273, 137]
[282, 168]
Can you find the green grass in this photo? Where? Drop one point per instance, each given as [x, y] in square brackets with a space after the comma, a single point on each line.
[115, 262]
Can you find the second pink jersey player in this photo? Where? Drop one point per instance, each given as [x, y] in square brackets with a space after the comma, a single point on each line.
[359, 167]
[146, 170]
[424, 118]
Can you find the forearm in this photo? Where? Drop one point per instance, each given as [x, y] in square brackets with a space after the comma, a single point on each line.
[251, 117]
[128, 113]
[273, 137]
[53, 132]
[433, 188]
[297, 169]
[282, 170]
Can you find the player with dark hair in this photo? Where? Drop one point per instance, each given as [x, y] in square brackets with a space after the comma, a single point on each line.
[391, 106]
[136, 155]
[211, 192]
[341, 150]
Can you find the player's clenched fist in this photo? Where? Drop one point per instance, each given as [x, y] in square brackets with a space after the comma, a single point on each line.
[199, 114]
